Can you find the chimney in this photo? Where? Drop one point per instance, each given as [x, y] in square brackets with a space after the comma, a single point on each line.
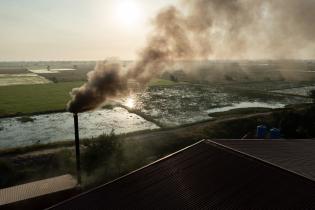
[77, 146]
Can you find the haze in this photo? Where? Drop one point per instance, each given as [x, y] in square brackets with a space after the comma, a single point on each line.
[97, 30]
[74, 29]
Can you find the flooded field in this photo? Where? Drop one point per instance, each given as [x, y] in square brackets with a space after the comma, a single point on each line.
[272, 85]
[301, 91]
[177, 105]
[22, 79]
[167, 106]
[51, 71]
[247, 105]
[59, 127]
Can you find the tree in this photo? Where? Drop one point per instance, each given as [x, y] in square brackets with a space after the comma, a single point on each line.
[228, 78]
[173, 78]
[54, 80]
[312, 95]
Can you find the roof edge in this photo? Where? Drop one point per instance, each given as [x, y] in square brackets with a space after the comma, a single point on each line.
[128, 174]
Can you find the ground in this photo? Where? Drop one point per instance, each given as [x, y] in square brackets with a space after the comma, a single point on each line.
[19, 165]
[138, 149]
[134, 150]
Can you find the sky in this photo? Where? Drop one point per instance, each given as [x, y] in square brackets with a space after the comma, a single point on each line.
[75, 29]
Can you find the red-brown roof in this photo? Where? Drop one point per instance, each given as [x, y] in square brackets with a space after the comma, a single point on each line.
[296, 155]
[207, 176]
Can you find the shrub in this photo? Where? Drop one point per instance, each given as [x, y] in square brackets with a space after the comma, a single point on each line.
[297, 123]
[228, 78]
[173, 78]
[7, 173]
[108, 106]
[54, 80]
[312, 95]
[25, 119]
[99, 151]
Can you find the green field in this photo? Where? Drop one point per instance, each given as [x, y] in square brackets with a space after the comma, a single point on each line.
[26, 99]
[35, 98]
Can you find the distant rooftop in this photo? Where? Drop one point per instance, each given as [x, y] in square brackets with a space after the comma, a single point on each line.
[206, 175]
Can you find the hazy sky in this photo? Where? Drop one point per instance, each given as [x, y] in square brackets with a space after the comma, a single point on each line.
[75, 29]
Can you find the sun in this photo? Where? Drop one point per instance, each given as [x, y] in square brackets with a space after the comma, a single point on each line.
[128, 13]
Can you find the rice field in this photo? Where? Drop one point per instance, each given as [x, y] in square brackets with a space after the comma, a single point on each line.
[169, 105]
[22, 79]
[271, 85]
[25, 99]
[13, 70]
[186, 103]
[300, 91]
[50, 71]
[33, 90]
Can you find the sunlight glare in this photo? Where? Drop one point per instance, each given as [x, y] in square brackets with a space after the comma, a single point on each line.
[130, 103]
[128, 13]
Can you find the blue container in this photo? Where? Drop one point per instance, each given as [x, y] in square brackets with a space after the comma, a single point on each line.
[261, 131]
[275, 133]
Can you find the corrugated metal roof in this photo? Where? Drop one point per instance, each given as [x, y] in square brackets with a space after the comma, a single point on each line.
[294, 155]
[202, 176]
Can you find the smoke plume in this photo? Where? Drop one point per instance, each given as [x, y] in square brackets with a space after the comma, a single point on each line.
[208, 29]
[104, 82]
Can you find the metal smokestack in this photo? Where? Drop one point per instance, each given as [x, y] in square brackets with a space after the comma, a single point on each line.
[77, 146]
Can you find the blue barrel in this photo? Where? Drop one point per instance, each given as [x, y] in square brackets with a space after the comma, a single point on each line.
[275, 133]
[261, 131]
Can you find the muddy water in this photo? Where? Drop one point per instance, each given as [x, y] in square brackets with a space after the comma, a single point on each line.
[59, 127]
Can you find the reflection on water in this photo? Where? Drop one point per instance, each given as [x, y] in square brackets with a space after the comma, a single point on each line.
[130, 102]
[301, 91]
[170, 106]
[59, 127]
[246, 105]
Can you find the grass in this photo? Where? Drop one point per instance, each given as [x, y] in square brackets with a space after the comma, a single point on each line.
[25, 119]
[20, 171]
[16, 79]
[103, 159]
[163, 82]
[8, 70]
[26, 99]
[41, 98]
[67, 76]
[109, 156]
[240, 111]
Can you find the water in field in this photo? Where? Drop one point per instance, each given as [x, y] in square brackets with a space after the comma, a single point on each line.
[184, 104]
[170, 106]
[59, 127]
[247, 105]
[21, 79]
[301, 91]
